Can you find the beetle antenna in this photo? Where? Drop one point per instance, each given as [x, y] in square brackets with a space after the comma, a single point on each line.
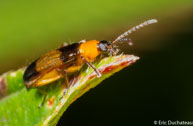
[125, 34]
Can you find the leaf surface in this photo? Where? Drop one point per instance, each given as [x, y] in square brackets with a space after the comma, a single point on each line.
[20, 107]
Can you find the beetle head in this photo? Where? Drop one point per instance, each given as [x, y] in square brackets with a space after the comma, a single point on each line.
[106, 47]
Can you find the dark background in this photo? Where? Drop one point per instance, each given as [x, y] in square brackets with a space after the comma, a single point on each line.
[157, 87]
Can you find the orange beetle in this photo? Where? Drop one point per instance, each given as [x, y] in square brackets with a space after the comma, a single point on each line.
[68, 59]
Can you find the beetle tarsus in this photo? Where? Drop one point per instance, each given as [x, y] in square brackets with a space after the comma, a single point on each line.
[44, 99]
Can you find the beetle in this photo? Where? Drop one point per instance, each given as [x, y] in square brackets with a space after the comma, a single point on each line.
[68, 59]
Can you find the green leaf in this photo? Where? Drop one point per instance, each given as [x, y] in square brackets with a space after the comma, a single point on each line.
[20, 107]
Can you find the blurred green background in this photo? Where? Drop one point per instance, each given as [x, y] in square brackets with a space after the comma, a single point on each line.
[158, 87]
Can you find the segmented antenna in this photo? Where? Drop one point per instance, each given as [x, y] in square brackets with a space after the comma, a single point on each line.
[134, 29]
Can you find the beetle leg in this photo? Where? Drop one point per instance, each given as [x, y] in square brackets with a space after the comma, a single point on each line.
[63, 73]
[45, 96]
[92, 66]
[67, 82]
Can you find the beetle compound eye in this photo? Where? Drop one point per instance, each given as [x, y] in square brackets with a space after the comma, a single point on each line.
[103, 45]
